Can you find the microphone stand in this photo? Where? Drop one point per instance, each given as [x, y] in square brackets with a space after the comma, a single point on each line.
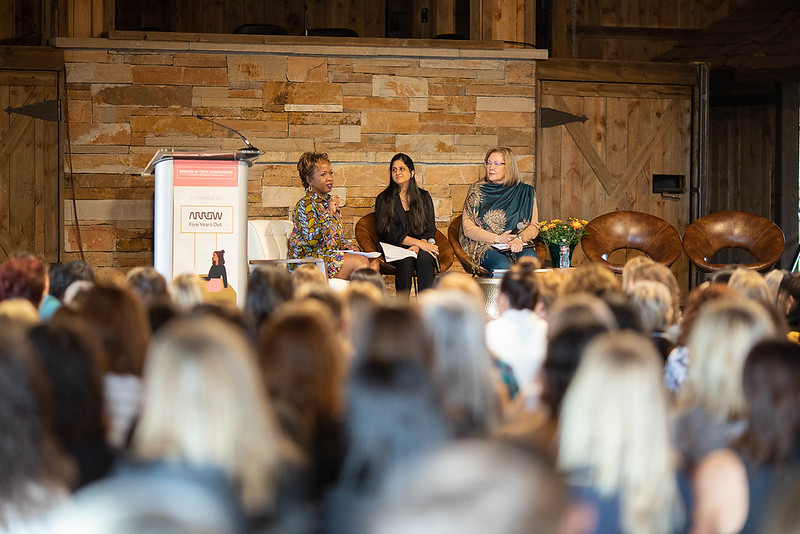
[252, 151]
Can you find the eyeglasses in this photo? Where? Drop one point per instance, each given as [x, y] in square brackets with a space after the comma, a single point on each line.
[495, 163]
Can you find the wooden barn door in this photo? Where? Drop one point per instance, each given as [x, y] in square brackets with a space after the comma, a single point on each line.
[29, 169]
[622, 135]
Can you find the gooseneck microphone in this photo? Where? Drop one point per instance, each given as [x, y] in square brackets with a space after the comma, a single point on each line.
[237, 132]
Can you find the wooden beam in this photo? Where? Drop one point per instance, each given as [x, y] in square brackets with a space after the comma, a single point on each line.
[788, 173]
[618, 71]
[31, 58]
[634, 32]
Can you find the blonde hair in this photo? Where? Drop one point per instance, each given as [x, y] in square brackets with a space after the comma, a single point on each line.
[721, 338]
[631, 268]
[657, 272]
[653, 304]
[751, 285]
[614, 433]
[462, 282]
[205, 404]
[187, 291]
[511, 176]
[18, 312]
[305, 275]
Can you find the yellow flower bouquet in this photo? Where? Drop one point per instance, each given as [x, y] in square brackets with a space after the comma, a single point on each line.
[556, 231]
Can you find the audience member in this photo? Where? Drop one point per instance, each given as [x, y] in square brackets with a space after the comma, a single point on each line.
[577, 310]
[117, 318]
[519, 335]
[18, 313]
[462, 365]
[303, 364]
[734, 490]
[205, 411]
[371, 277]
[614, 438]
[187, 291]
[658, 272]
[61, 277]
[751, 285]
[74, 366]
[712, 407]
[773, 280]
[25, 277]
[789, 304]
[393, 417]
[307, 274]
[268, 286]
[590, 278]
[35, 474]
[475, 487]
[149, 285]
[678, 360]
[630, 270]
[653, 302]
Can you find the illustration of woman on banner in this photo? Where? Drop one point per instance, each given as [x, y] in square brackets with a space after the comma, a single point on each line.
[217, 272]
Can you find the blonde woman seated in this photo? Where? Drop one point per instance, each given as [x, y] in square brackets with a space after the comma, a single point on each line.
[501, 210]
[317, 231]
[614, 438]
[205, 411]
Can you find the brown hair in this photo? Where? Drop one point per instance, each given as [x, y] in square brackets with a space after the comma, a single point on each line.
[119, 320]
[308, 164]
[771, 384]
[301, 358]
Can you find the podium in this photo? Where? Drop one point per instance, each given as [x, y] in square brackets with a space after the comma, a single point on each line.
[200, 220]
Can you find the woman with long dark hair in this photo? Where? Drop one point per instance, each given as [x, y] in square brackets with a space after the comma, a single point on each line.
[404, 217]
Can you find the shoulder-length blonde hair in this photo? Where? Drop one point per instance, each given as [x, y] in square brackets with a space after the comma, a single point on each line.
[206, 405]
[512, 170]
[721, 337]
[614, 433]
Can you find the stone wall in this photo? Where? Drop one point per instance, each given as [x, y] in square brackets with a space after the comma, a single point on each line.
[360, 104]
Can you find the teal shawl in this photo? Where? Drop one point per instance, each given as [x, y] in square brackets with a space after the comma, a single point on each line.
[496, 208]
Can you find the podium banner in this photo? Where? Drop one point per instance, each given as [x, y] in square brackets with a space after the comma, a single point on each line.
[201, 222]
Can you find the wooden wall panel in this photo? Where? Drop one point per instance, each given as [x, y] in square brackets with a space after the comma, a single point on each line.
[633, 129]
[617, 29]
[29, 172]
[224, 16]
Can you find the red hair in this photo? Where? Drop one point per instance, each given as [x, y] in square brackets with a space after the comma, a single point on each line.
[23, 277]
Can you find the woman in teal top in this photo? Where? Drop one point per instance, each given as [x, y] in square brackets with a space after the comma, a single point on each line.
[499, 211]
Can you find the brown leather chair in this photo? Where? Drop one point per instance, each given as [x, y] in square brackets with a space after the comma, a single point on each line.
[733, 229]
[367, 239]
[630, 229]
[466, 262]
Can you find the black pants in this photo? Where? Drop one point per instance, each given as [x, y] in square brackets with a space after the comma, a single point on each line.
[424, 265]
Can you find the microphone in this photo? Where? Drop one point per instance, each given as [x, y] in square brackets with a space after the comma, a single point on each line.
[246, 142]
[432, 241]
[520, 227]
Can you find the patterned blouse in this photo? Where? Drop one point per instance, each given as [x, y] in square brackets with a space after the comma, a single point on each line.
[317, 233]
